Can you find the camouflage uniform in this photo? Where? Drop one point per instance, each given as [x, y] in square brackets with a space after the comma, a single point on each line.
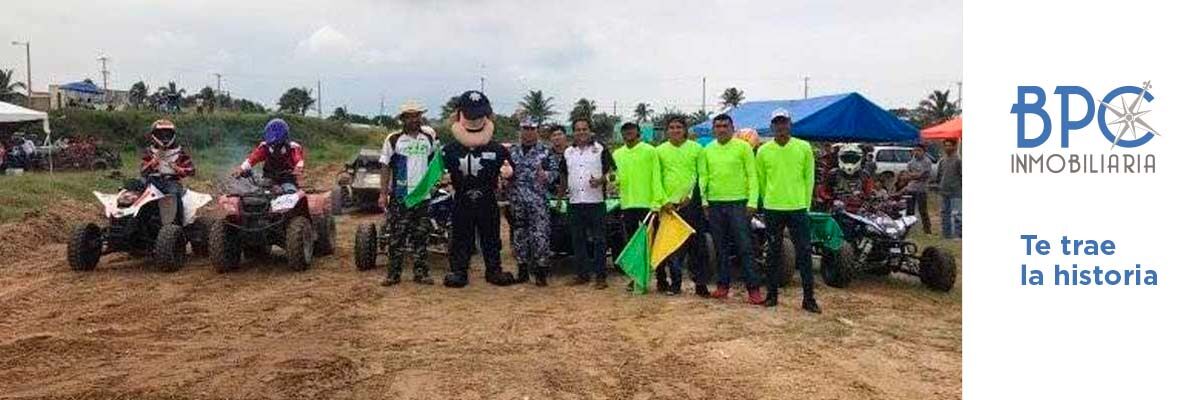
[408, 230]
[529, 203]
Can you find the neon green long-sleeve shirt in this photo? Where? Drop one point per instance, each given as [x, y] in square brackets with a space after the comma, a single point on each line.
[786, 174]
[729, 173]
[680, 169]
[639, 176]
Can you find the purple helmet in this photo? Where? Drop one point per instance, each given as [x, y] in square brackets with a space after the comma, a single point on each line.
[276, 132]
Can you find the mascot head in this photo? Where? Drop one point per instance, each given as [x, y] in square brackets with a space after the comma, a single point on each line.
[472, 124]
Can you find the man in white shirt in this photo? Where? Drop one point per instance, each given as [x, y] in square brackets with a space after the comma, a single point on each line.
[585, 167]
[406, 155]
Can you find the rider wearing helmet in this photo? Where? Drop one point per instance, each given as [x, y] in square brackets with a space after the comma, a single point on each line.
[164, 163]
[282, 158]
[850, 183]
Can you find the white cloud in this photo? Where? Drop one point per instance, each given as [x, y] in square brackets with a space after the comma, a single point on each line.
[327, 41]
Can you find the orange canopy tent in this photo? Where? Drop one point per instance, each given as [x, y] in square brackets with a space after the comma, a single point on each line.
[951, 129]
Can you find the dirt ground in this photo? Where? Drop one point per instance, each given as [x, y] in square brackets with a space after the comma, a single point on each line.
[127, 331]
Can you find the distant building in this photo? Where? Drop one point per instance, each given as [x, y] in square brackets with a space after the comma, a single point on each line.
[85, 94]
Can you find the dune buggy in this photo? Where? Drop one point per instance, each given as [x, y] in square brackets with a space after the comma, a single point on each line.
[358, 185]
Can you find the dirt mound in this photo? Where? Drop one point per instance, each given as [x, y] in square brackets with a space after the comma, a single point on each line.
[41, 227]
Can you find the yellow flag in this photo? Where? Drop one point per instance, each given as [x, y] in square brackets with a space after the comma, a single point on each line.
[672, 232]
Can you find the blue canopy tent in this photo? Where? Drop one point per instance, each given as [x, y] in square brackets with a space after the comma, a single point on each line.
[847, 117]
[82, 87]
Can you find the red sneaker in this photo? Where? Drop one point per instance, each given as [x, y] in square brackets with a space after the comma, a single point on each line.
[721, 293]
[755, 297]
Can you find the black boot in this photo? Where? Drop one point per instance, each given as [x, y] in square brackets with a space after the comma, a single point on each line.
[455, 280]
[810, 304]
[772, 299]
[421, 275]
[540, 273]
[702, 290]
[522, 274]
[393, 277]
[500, 278]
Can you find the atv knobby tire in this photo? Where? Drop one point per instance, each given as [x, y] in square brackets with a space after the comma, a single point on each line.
[299, 247]
[837, 266]
[365, 247]
[326, 229]
[83, 251]
[937, 269]
[170, 249]
[226, 251]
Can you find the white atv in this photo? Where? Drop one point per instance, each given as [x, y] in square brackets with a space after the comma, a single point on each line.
[135, 226]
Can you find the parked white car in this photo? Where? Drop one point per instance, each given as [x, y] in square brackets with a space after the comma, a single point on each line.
[891, 160]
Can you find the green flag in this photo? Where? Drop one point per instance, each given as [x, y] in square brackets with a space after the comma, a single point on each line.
[635, 259]
[418, 193]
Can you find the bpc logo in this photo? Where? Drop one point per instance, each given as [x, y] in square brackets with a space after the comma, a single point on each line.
[1129, 116]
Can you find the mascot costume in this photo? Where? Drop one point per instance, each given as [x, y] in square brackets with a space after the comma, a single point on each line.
[475, 162]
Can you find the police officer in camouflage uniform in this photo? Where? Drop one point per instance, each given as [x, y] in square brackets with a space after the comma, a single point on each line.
[407, 154]
[534, 173]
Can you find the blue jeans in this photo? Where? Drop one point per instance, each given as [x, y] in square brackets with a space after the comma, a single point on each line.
[729, 224]
[796, 223]
[952, 216]
[588, 230]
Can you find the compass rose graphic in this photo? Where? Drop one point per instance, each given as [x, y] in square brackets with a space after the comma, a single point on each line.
[1129, 116]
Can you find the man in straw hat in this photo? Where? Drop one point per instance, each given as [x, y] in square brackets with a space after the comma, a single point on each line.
[406, 155]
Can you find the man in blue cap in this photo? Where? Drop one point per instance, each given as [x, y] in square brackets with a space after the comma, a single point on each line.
[535, 169]
[476, 163]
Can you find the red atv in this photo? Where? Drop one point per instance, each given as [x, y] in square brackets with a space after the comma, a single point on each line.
[260, 214]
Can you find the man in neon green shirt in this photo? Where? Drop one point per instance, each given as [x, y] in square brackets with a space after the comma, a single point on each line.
[639, 182]
[786, 168]
[681, 160]
[729, 187]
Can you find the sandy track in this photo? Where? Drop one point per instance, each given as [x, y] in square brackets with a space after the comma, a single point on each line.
[128, 331]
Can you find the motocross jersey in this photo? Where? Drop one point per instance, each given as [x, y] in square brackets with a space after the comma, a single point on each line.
[280, 165]
[853, 190]
[168, 162]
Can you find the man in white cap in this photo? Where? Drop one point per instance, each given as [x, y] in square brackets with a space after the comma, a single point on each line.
[535, 169]
[406, 155]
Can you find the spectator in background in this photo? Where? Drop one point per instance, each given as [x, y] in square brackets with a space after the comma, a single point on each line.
[917, 175]
[949, 177]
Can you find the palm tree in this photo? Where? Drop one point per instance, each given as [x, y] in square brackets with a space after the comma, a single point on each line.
[169, 97]
[642, 112]
[449, 108]
[8, 88]
[584, 108]
[537, 106]
[937, 108]
[138, 94]
[732, 97]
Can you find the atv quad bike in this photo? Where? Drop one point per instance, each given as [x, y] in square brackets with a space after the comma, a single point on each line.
[259, 215]
[358, 185]
[370, 240]
[135, 226]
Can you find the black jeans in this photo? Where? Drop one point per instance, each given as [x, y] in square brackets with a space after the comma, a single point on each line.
[587, 229]
[473, 217]
[729, 224]
[796, 223]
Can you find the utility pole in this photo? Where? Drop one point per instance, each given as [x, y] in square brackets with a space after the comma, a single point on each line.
[703, 92]
[806, 87]
[319, 111]
[28, 73]
[959, 96]
[381, 104]
[614, 108]
[482, 71]
[218, 75]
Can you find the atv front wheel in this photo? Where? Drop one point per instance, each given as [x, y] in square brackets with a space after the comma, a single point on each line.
[299, 244]
[226, 250]
[83, 251]
[937, 269]
[837, 266]
[170, 249]
[365, 240]
[326, 235]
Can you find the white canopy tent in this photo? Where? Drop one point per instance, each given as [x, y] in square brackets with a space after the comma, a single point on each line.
[15, 113]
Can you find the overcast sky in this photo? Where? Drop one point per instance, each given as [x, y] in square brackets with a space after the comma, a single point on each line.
[892, 51]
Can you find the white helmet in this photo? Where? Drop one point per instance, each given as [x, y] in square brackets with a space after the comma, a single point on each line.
[850, 158]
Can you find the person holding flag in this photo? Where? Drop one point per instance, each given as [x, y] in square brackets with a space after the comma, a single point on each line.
[681, 161]
[411, 161]
[729, 189]
[535, 169]
[639, 182]
[786, 173]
